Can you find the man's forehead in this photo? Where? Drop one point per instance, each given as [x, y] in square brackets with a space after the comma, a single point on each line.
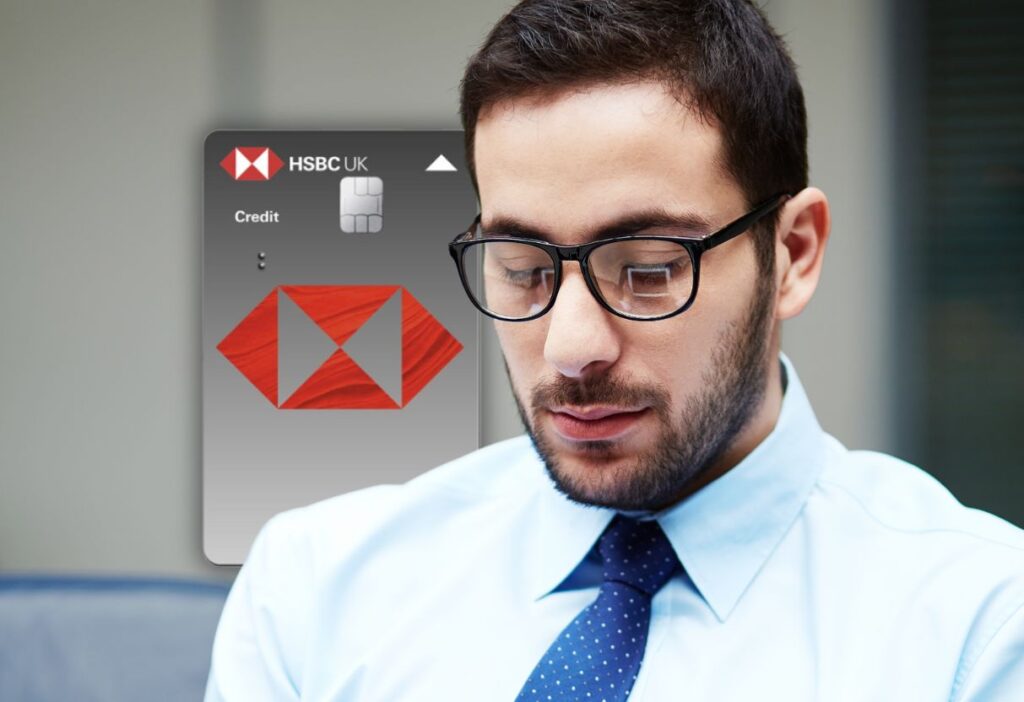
[588, 161]
[681, 221]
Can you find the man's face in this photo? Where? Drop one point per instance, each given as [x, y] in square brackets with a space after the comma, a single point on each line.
[625, 413]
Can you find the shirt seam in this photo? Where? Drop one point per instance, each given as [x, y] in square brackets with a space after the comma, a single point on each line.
[892, 527]
[964, 673]
[967, 667]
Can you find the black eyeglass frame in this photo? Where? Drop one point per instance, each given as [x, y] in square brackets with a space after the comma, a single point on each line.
[695, 246]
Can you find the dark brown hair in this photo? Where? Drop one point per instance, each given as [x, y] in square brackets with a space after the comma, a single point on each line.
[721, 57]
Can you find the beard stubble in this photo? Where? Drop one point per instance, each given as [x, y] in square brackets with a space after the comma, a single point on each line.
[733, 388]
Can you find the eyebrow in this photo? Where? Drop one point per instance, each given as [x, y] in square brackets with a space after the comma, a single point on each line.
[628, 224]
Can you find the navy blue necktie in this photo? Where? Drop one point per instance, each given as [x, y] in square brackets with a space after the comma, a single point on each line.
[597, 656]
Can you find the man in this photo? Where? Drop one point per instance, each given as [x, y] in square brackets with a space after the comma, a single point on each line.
[675, 525]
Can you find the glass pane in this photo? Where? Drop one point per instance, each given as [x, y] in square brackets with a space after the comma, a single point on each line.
[643, 277]
[510, 279]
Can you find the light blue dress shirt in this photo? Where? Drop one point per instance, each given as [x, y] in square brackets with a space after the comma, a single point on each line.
[812, 572]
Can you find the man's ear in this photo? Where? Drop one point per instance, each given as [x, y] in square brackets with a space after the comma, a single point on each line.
[800, 238]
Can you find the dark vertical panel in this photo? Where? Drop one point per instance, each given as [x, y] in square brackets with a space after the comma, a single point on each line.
[907, 60]
[974, 252]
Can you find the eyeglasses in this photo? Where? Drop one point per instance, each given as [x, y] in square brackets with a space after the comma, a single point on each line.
[647, 277]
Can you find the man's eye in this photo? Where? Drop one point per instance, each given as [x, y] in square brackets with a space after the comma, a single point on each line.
[657, 272]
[649, 275]
[655, 279]
[527, 277]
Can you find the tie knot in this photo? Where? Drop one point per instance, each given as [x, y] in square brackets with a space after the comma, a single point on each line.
[637, 553]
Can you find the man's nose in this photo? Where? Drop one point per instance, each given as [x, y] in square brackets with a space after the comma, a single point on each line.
[582, 338]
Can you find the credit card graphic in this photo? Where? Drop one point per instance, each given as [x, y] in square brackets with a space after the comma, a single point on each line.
[339, 350]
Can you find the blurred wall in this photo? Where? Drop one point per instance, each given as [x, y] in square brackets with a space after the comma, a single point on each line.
[103, 108]
[842, 343]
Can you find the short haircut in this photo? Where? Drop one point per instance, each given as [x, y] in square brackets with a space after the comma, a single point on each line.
[720, 57]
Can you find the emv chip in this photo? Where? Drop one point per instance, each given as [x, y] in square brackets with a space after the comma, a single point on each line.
[361, 204]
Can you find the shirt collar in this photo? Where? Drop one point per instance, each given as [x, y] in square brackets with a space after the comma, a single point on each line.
[724, 532]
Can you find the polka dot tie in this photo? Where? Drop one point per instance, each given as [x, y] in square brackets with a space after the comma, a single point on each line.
[597, 657]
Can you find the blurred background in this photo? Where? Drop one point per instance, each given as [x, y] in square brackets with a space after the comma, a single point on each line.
[913, 344]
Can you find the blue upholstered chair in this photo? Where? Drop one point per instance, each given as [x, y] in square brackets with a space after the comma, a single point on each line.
[106, 639]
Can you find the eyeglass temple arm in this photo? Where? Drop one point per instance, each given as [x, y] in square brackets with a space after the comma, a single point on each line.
[736, 228]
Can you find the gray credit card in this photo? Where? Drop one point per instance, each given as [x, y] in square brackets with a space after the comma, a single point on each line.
[339, 349]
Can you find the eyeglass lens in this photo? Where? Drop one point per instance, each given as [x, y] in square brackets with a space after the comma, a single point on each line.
[637, 277]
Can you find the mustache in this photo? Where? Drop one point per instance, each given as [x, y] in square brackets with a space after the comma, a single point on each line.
[597, 390]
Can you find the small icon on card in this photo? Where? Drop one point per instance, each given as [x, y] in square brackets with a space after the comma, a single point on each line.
[362, 204]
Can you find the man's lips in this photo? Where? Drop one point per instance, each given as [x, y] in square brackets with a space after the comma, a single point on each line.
[592, 423]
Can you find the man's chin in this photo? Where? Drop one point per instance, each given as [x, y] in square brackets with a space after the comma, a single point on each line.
[594, 482]
[592, 472]
[606, 472]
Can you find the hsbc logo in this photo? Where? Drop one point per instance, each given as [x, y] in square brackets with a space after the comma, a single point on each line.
[319, 164]
[260, 163]
[335, 316]
[251, 163]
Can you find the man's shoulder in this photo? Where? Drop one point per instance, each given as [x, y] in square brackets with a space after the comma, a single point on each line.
[901, 497]
[919, 551]
[504, 471]
[502, 468]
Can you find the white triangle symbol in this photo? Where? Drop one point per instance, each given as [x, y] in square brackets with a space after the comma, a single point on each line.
[262, 163]
[241, 163]
[441, 164]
